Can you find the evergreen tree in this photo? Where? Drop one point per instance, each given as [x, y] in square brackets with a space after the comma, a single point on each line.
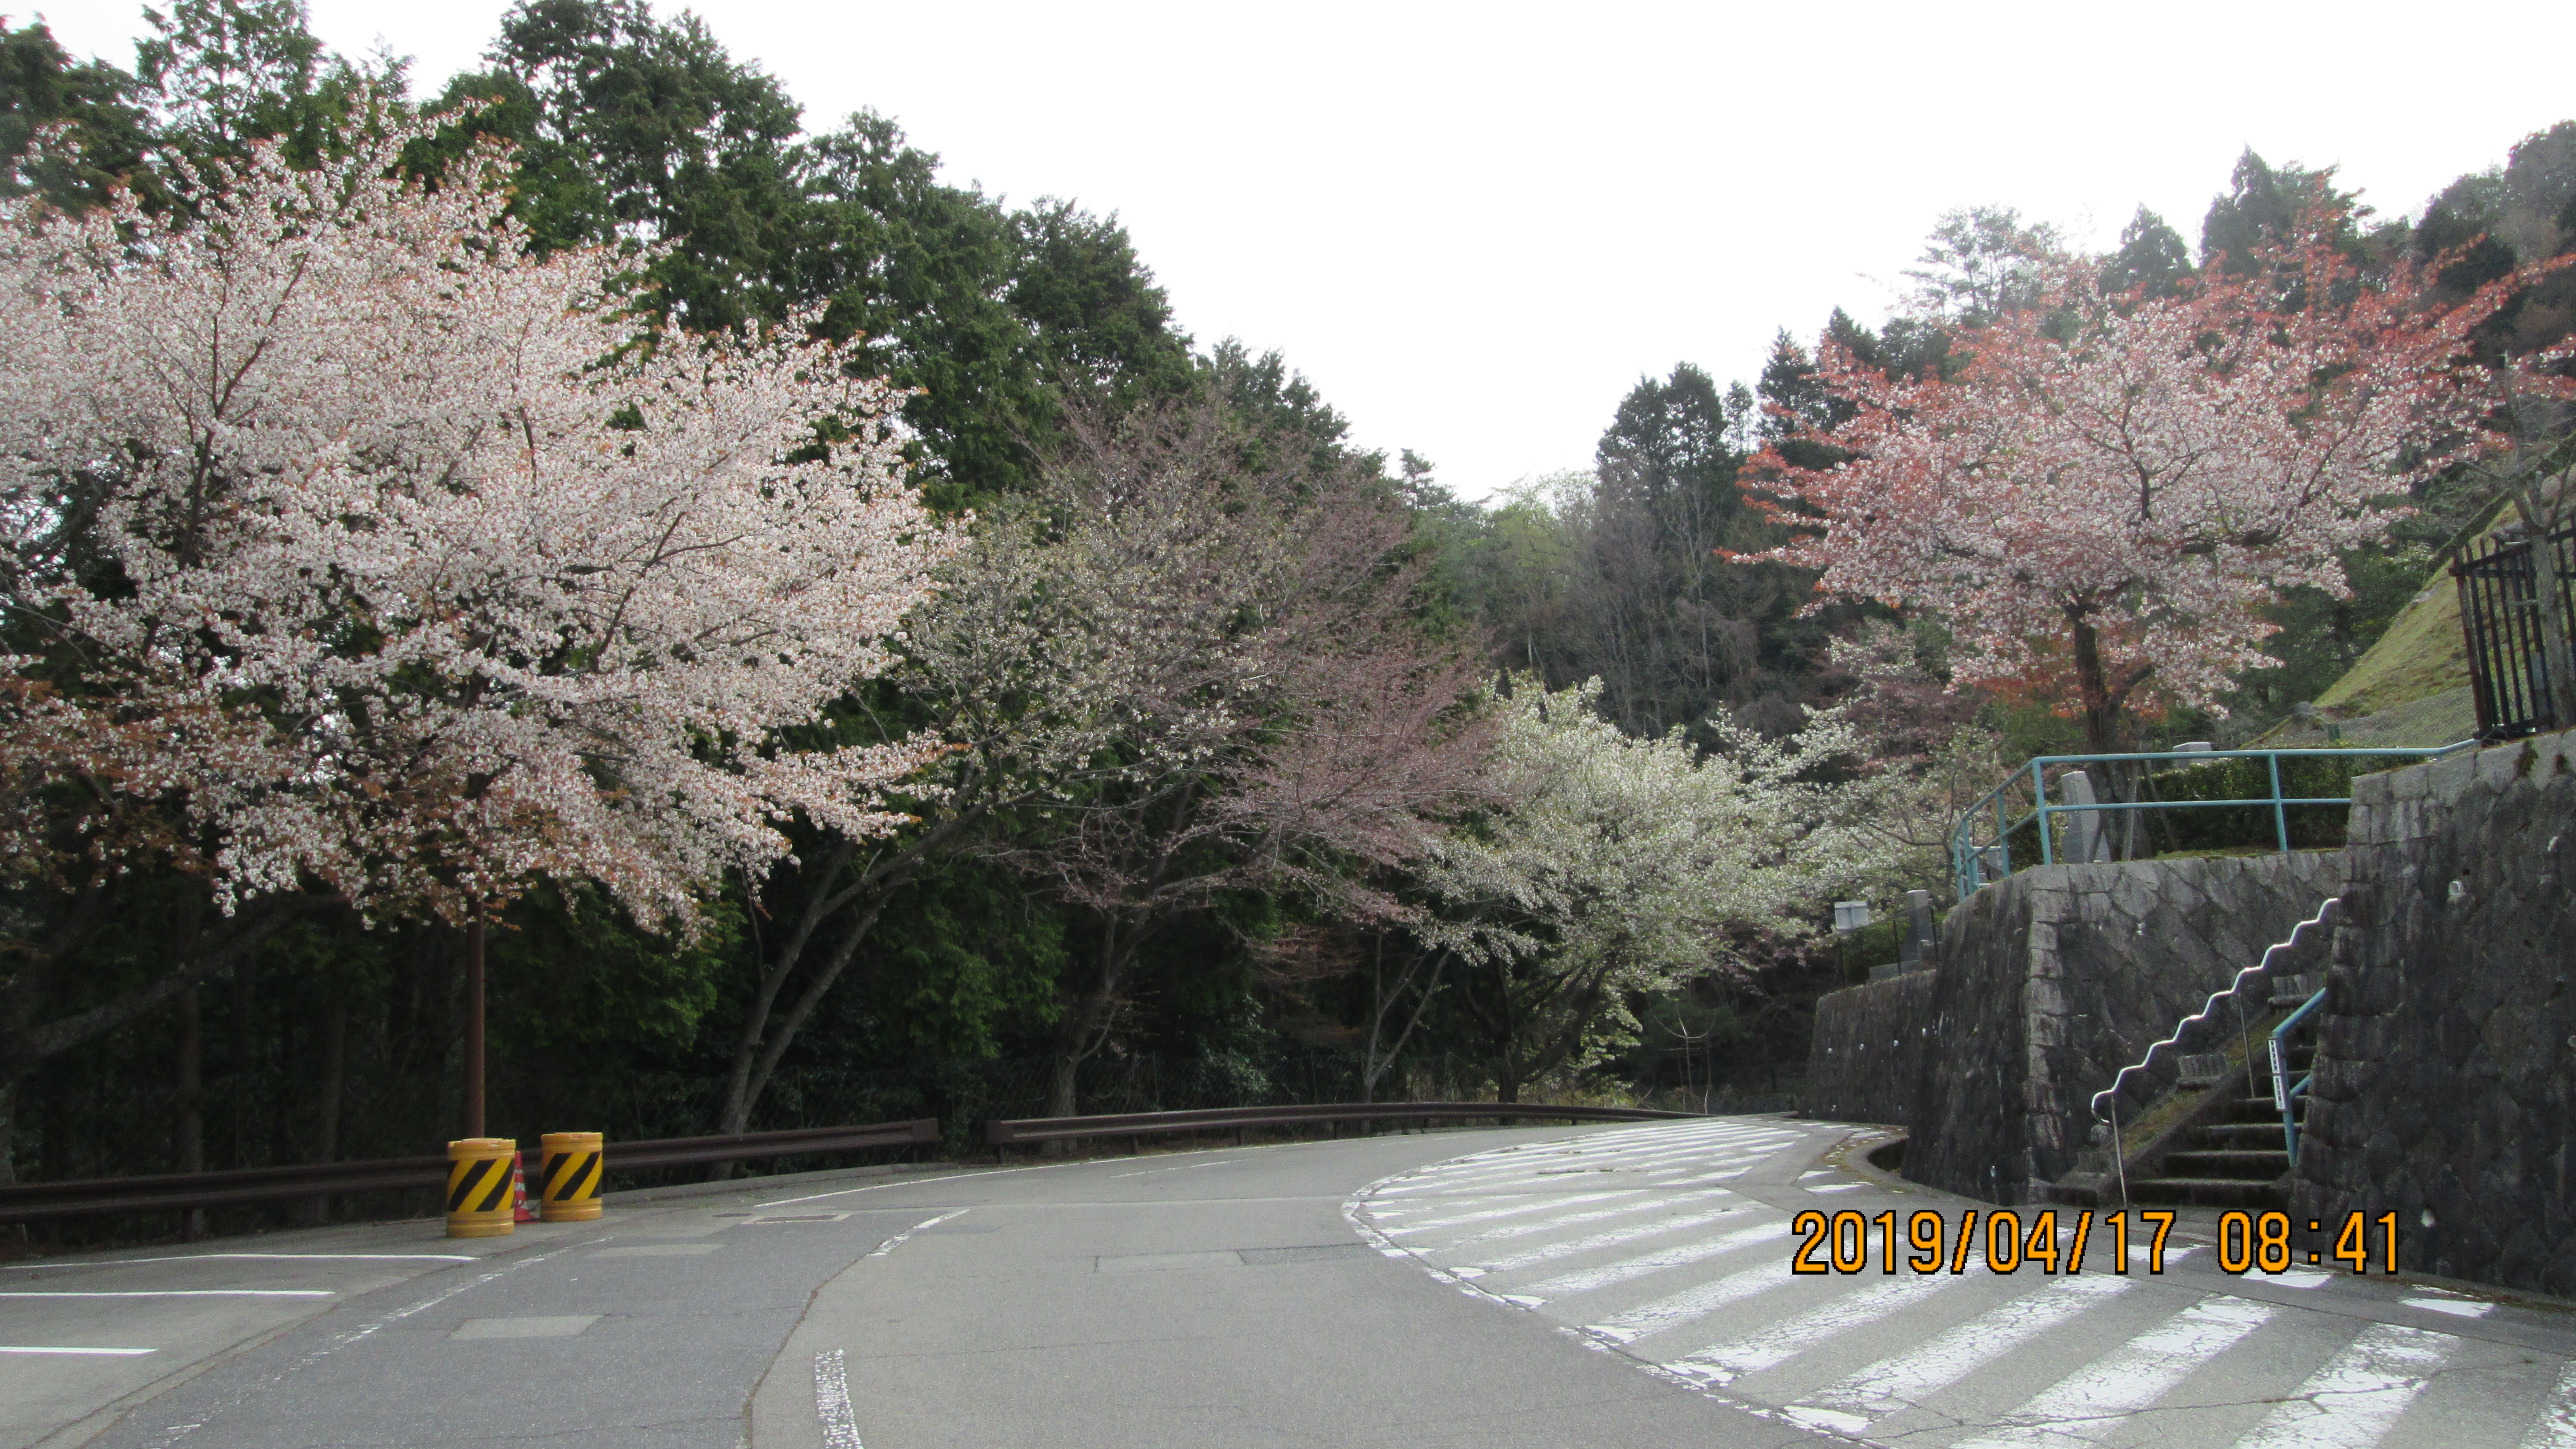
[106, 131]
[2151, 258]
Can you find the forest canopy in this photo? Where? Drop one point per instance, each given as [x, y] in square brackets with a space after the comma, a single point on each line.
[862, 660]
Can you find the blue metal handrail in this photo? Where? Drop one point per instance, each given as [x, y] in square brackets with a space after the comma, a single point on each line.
[1973, 863]
[2283, 1093]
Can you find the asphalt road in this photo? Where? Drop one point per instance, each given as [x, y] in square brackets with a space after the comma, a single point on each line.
[1556, 1287]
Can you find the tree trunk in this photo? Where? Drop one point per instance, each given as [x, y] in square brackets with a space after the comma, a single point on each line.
[190, 1148]
[474, 1025]
[2101, 713]
[9, 1132]
[756, 1062]
[1061, 1099]
[335, 1068]
[241, 1049]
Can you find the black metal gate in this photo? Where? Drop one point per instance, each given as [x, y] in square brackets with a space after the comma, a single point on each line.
[2500, 603]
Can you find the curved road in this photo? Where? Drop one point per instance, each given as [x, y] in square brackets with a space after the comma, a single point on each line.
[1548, 1288]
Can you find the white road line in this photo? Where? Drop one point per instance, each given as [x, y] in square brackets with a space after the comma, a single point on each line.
[1616, 1237]
[1777, 1343]
[1691, 1304]
[103, 1352]
[897, 1241]
[2093, 1400]
[243, 1392]
[172, 1293]
[1490, 1214]
[2556, 1426]
[1433, 1205]
[1566, 1285]
[920, 1182]
[1907, 1379]
[260, 1257]
[1576, 1220]
[1518, 1162]
[1526, 1175]
[2357, 1397]
[1184, 1167]
[832, 1401]
[2456, 1307]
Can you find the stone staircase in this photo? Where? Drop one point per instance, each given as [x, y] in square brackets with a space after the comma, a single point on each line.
[2227, 1150]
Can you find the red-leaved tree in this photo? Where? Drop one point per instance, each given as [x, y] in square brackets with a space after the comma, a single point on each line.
[2103, 500]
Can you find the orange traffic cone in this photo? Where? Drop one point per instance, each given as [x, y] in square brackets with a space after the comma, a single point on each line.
[519, 1190]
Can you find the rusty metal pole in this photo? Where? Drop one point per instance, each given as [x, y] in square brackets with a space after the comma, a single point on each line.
[474, 1023]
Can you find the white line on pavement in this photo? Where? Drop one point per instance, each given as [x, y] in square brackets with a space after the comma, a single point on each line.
[1616, 1237]
[2556, 1426]
[1691, 1304]
[104, 1352]
[261, 1257]
[832, 1401]
[1508, 1212]
[2095, 1399]
[897, 1241]
[171, 1293]
[1907, 1379]
[2355, 1399]
[1779, 1342]
[1585, 1280]
[1594, 1215]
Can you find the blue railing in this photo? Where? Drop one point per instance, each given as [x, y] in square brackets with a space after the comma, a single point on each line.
[2285, 1093]
[1974, 861]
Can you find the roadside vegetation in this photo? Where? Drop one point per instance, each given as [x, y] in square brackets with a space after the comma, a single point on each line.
[834, 651]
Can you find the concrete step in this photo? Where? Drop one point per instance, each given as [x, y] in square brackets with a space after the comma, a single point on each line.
[2219, 1192]
[2253, 1135]
[2252, 1164]
[2262, 1109]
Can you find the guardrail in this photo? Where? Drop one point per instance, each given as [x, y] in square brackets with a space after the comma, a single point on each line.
[1011, 1132]
[177, 1192]
[1974, 862]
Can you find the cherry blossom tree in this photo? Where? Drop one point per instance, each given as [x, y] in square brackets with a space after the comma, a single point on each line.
[2115, 485]
[356, 553]
[1619, 863]
[1271, 715]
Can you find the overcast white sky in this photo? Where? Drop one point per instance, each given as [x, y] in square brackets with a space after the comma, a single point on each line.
[1474, 226]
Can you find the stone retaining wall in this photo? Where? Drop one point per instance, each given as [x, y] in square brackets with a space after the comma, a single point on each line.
[2444, 1079]
[1862, 1068]
[2044, 986]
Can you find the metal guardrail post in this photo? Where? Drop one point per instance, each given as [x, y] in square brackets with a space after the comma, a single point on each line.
[2280, 812]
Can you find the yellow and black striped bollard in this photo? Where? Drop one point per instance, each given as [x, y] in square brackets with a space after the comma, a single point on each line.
[478, 1186]
[574, 1163]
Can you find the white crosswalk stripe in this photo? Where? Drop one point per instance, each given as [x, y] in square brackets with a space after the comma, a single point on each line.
[2356, 1398]
[1587, 1279]
[1671, 1245]
[2091, 1402]
[2556, 1426]
[1577, 1219]
[1779, 1342]
[1894, 1384]
[1517, 1210]
[1617, 1237]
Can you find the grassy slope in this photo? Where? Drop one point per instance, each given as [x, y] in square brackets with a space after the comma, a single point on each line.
[2421, 655]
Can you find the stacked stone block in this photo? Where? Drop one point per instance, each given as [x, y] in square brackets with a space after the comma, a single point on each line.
[2443, 1080]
